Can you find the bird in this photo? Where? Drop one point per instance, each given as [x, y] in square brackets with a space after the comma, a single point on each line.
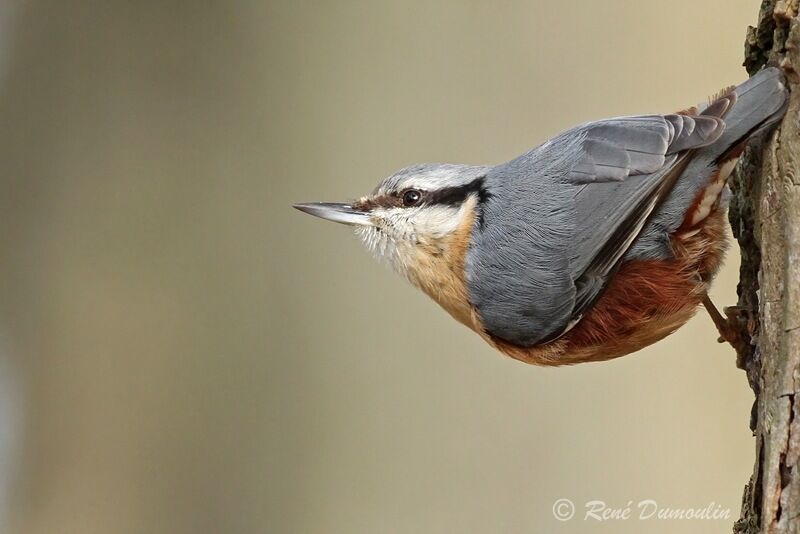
[598, 242]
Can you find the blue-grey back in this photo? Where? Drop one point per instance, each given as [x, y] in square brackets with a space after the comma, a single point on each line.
[551, 211]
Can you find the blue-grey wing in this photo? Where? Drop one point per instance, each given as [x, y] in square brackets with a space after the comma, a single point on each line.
[613, 149]
[638, 154]
[560, 218]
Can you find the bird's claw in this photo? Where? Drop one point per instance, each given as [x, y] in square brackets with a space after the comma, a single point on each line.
[735, 327]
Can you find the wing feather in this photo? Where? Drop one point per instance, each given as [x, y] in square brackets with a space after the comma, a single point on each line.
[614, 149]
[611, 215]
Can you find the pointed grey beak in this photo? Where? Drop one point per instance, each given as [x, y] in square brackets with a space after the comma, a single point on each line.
[340, 213]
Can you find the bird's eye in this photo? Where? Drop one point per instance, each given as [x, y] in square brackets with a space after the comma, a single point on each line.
[411, 197]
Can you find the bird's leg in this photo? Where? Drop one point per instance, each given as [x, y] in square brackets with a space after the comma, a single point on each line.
[732, 327]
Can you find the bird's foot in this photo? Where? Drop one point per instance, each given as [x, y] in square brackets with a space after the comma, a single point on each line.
[733, 327]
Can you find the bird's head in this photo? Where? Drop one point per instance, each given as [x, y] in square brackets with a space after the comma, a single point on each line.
[415, 217]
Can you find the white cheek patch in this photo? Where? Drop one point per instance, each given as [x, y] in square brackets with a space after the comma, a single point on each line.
[437, 221]
[399, 232]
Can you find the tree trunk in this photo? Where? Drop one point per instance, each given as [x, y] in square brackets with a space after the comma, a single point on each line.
[765, 216]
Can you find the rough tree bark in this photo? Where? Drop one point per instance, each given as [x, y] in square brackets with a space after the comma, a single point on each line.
[765, 216]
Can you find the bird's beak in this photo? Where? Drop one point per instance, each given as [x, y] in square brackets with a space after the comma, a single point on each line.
[340, 213]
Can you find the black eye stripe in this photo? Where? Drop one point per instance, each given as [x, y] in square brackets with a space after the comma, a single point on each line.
[454, 195]
[445, 196]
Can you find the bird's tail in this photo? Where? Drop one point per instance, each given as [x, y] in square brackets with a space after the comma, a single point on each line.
[753, 106]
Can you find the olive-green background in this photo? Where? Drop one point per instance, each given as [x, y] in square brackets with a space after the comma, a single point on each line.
[184, 353]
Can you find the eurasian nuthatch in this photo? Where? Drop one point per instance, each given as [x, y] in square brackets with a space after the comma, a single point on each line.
[598, 242]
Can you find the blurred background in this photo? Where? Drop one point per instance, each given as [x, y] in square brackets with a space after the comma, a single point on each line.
[182, 352]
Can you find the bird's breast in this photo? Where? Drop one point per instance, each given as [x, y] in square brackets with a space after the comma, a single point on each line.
[437, 267]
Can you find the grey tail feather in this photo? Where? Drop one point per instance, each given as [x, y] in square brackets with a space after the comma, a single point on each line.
[755, 105]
